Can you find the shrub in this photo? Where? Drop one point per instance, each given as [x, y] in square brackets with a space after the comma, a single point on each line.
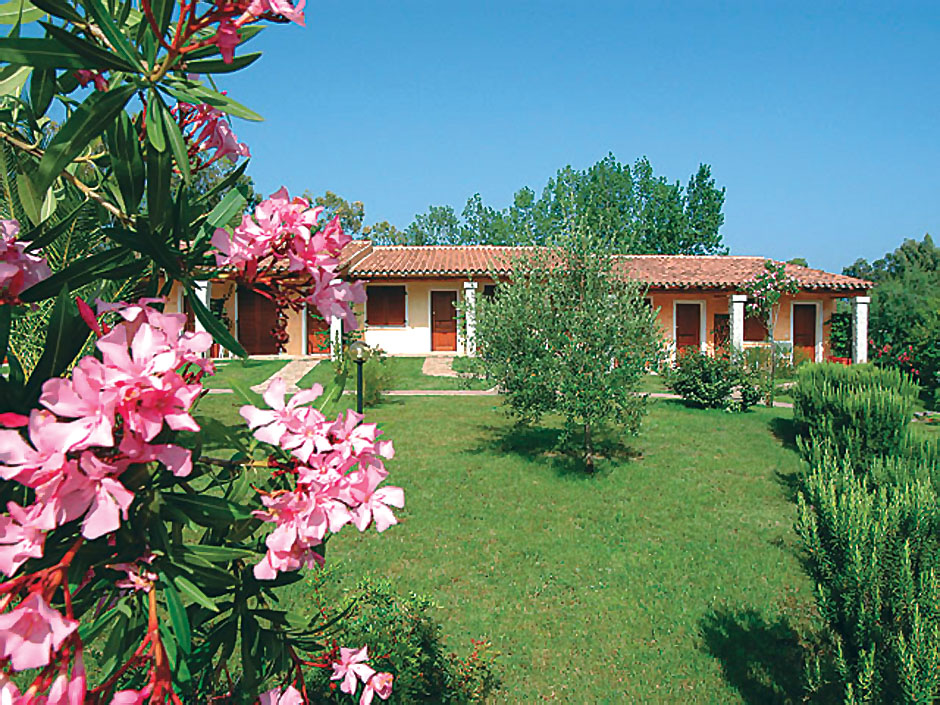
[862, 410]
[712, 381]
[406, 640]
[873, 554]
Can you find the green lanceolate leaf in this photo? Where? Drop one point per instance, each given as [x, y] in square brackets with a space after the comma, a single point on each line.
[59, 8]
[192, 92]
[231, 205]
[28, 199]
[224, 184]
[177, 144]
[42, 86]
[46, 54]
[178, 619]
[219, 554]
[156, 121]
[89, 120]
[163, 12]
[19, 11]
[113, 33]
[127, 162]
[75, 275]
[159, 207]
[186, 587]
[204, 508]
[214, 326]
[45, 233]
[219, 66]
[93, 55]
[65, 338]
[12, 79]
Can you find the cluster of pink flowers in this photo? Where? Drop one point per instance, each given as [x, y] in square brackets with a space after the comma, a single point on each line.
[337, 467]
[85, 77]
[352, 668]
[206, 128]
[19, 270]
[95, 424]
[236, 13]
[287, 230]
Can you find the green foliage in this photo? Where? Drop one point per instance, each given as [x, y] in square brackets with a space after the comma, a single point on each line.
[873, 553]
[904, 324]
[629, 210]
[712, 382]
[570, 335]
[840, 331]
[863, 411]
[407, 641]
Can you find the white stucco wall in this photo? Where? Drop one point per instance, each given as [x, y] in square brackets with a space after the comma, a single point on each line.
[414, 338]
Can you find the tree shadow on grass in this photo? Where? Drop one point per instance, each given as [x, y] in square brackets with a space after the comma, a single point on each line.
[785, 430]
[762, 660]
[544, 444]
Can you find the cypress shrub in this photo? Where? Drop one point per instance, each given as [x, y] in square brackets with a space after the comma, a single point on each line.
[873, 554]
[861, 410]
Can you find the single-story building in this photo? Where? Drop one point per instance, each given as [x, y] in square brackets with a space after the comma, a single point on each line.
[412, 295]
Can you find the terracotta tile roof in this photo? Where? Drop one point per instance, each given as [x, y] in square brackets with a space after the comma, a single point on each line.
[658, 271]
[434, 260]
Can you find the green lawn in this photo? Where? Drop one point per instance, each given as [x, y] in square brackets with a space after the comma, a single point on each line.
[671, 576]
[244, 372]
[405, 374]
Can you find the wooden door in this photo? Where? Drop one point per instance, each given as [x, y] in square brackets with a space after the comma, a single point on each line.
[318, 333]
[257, 316]
[688, 327]
[443, 320]
[190, 315]
[804, 332]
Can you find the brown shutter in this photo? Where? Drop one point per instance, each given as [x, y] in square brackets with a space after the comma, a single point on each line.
[755, 329]
[385, 305]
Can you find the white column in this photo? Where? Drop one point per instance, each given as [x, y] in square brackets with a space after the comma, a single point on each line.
[470, 318]
[736, 311]
[336, 337]
[860, 328]
[304, 347]
[203, 291]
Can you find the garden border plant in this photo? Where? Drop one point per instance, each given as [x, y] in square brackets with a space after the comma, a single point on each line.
[120, 535]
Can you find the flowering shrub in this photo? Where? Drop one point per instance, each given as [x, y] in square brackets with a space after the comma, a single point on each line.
[120, 538]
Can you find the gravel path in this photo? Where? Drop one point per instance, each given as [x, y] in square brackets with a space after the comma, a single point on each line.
[291, 373]
[439, 367]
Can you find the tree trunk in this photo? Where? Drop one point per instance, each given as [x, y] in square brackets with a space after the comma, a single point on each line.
[588, 450]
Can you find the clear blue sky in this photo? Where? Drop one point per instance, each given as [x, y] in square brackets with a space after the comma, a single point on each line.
[822, 119]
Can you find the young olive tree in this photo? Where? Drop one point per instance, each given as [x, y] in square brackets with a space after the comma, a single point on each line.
[569, 334]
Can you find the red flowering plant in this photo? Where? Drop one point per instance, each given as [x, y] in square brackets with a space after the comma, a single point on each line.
[764, 292]
[119, 538]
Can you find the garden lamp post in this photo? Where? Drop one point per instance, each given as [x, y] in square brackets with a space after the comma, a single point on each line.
[359, 352]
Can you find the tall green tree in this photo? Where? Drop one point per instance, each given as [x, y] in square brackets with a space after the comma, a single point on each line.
[628, 209]
[904, 325]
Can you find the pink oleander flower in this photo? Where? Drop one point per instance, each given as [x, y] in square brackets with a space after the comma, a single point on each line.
[131, 697]
[287, 10]
[206, 128]
[289, 696]
[18, 269]
[352, 668]
[376, 507]
[22, 536]
[227, 38]
[138, 577]
[283, 235]
[32, 632]
[85, 77]
[270, 425]
[378, 684]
